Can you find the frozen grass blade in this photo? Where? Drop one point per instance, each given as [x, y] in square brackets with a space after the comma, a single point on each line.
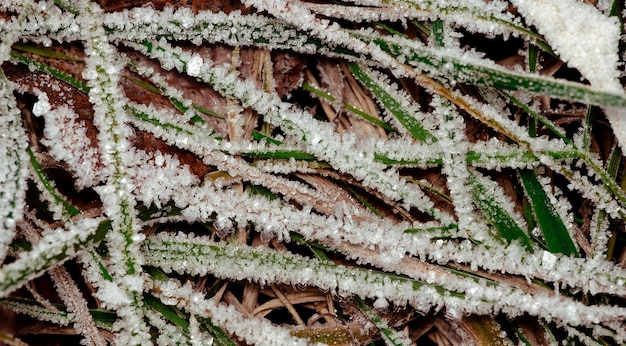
[491, 206]
[415, 216]
[236, 29]
[214, 317]
[171, 253]
[13, 171]
[483, 73]
[51, 251]
[405, 116]
[68, 209]
[103, 319]
[102, 74]
[552, 226]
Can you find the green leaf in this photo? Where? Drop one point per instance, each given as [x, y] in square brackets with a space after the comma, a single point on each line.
[394, 106]
[41, 51]
[497, 216]
[71, 80]
[167, 311]
[69, 209]
[553, 228]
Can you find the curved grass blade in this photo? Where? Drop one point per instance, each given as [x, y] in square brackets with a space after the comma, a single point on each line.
[44, 52]
[236, 30]
[554, 230]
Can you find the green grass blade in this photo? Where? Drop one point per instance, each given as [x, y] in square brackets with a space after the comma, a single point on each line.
[103, 319]
[167, 311]
[143, 116]
[220, 337]
[69, 209]
[498, 216]
[71, 80]
[553, 228]
[44, 52]
[351, 108]
[259, 136]
[394, 106]
[441, 63]
[541, 119]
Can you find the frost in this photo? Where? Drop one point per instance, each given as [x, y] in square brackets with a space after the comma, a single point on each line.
[590, 48]
[194, 66]
[431, 226]
[66, 136]
[41, 107]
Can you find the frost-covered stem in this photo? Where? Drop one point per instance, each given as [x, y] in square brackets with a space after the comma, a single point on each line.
[69, 292]
[320, 139]
[453, 144]
[254, 331]
[53, 249]
[13, 144]
[172, 253]
[36, 311]
[77, 305]
[102, 73]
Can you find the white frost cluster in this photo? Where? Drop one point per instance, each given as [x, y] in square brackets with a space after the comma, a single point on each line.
[592, 49]
[255, 331]
[159, 177]
[67, 140]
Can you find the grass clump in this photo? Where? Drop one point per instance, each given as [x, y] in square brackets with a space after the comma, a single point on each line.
[312, 172]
